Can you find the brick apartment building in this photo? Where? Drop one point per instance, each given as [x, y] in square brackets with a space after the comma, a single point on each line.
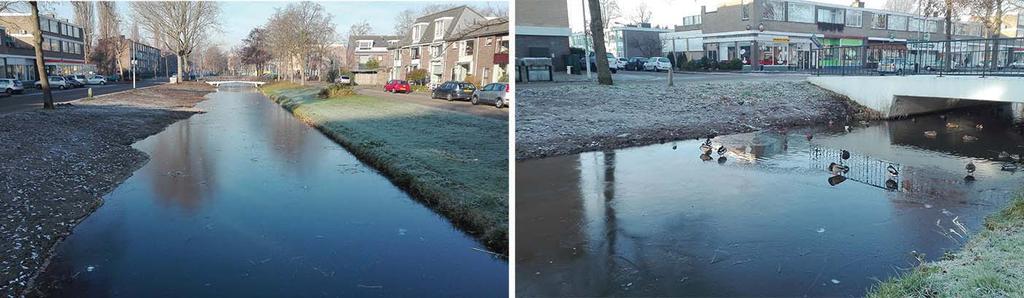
[149, 59]
[425, 45]
[363, 48]
[481, 50]
[63, 47]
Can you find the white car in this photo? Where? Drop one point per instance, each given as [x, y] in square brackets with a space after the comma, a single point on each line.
[622, 61]
[55, 82]
[11, 86]
[1017, 64]
[658, 64]
[344, 80]
[95, 80]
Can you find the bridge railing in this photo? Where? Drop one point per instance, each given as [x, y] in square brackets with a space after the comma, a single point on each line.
[976, 57]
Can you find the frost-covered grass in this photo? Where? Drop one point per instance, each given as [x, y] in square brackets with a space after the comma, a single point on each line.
[990, 265]
[453, 162]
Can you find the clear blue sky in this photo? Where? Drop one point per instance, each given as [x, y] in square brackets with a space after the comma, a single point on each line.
[239, 17]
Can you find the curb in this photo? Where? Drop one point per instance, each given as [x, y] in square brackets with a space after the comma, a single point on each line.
[112, 93]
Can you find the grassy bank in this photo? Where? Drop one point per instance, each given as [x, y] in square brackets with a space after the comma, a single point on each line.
[991, 264]
[455, 163]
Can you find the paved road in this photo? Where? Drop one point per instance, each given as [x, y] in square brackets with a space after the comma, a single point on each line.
[33, 98]
[421, 98]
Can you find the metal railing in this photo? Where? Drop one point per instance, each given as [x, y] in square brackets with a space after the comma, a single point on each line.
[977, 57]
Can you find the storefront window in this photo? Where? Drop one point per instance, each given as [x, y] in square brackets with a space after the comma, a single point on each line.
[854, 18]
[800, 12]
[774, 54]
[915, 25]
[773, 10]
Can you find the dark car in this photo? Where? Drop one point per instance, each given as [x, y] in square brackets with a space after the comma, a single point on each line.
[452, 90]
[76, 81]
[636, 63]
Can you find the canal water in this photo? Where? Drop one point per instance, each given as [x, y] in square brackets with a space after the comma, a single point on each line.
[766, 217]
[247, 201]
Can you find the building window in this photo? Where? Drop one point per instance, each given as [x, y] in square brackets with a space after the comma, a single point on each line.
[878, 21]
[854, 18]
[897, 23]
[691, 20]
[46, 44]
[933, 26]
[915, 25]
[800, 12]
[439, 27]
[365, 44]
[414, 53]
[831, 15]
[503, 46]
[417, 32]
[489, 41]
[746, 9]
[468, 48]
[772, 10]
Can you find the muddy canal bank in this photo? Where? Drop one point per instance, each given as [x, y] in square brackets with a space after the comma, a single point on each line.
[58, 164]
[574, 118]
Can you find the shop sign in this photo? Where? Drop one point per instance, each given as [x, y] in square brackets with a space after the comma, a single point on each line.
[784, 39]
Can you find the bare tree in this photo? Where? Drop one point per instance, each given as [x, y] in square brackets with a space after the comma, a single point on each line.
[85, 17]
[604, 75]
[360, 28]
[642, 14]
[298, 35]
[491, 10]
[900, 5]
[610, 12]
[649, 46]
[109, 20]
[37, 36]
[182, 24]
[404, 21]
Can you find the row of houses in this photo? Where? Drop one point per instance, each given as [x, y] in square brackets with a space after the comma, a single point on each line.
[760, 33]
[454, 44]
[63, 49]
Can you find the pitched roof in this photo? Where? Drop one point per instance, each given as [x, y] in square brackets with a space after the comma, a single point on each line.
[378, 40]
[496, 26]
[456, 13]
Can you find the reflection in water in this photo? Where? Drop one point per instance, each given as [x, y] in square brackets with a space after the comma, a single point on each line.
[274, 209]
[653, 221]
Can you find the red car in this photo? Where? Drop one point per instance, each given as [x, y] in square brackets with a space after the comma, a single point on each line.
[397, 86]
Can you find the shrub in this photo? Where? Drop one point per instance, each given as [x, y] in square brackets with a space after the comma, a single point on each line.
[732, 64]
[336, 90]
[332, 75]
[472, 79]
[417, 76]
[372, 64]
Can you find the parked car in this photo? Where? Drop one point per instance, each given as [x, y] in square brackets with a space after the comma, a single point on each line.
[75, 81]
[493, 93]
[397, 86]
[344, 80]
[1017, 64]
[895, 65]
[55, 82]
[636, 63]
[11, 86]
[621, 62]
[95, 80]
[658, 64]
[613, 64]
[452, 90]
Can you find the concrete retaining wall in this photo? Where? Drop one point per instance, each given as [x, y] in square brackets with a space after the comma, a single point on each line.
[904, 95]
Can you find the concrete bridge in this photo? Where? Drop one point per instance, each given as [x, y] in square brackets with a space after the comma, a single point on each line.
[218, 83]
[896, 96]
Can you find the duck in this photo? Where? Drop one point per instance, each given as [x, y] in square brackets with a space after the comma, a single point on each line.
[847, 128]
[721, 150]
[705, 148]
[1004, 155]
[970, 167]
[952, 125]
[837, 169]
[1015, 157]
[892, 171]
[969, 138]
[931, 134]
[810, 136]
[1009, 167]
[844, 154]
[979, 126]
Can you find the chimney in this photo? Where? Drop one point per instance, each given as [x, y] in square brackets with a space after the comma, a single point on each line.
[858, 4]
[703, 9]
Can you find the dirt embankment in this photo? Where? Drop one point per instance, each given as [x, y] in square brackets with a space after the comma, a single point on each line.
[579, 117]
[58, 164]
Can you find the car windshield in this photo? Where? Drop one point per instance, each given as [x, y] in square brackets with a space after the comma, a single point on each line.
[662, 59]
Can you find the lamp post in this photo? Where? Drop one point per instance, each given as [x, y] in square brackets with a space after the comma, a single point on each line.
[134, 62]
[586, 38]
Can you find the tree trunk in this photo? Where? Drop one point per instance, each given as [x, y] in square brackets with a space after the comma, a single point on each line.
[604, 75]
[949, 35]
[37, 36]
[180, 69]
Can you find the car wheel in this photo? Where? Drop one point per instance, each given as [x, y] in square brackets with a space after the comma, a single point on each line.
[61, 87]
[103, 83]
[475, 100]
[499, 103]
[10, 91]
[449, 98]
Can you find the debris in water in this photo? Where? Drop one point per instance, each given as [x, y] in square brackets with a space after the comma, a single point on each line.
[401, 232]
[970, 138]
[946, 212]
[90, 268]
[370, 286]
[928, 206]
[821, 230]
[952, 125]
[835, 281]
[931, 134]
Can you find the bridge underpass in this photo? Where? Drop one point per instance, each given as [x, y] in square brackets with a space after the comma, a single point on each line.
[896, 96]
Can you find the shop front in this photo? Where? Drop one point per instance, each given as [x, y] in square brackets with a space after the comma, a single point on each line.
[763, 51]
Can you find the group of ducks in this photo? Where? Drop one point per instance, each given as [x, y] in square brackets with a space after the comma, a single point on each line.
[931, 134]
[1010, 164]
[706, 148]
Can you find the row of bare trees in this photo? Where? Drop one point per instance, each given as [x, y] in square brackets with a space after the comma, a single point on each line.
[296, 39]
